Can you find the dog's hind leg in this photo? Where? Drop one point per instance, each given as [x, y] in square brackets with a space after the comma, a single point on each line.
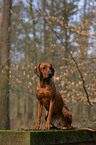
[67, 118]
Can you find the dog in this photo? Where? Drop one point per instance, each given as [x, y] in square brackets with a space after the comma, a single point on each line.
[57, 114]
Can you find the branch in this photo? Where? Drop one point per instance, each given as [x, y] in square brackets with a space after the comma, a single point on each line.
[72, 57]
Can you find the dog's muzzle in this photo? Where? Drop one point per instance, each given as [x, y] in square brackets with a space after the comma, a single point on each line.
[49, 73]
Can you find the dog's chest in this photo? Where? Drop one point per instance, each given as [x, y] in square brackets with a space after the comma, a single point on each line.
[44, 93]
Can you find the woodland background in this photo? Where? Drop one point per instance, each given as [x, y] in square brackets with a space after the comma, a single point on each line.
[31, 32]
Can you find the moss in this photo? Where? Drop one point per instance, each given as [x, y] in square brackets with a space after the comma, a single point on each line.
[41, 137]
[14, 137]
[62, 136]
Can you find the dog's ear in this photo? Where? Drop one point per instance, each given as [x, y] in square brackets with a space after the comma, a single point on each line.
[37, 70]
[52, 69]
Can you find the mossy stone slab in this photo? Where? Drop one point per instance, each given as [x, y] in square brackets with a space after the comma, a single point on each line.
[50, 137]
[14, 138]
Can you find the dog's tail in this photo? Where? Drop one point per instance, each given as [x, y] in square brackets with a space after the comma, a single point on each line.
[89, 129]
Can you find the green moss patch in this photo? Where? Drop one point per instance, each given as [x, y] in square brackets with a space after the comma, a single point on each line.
[43, 137]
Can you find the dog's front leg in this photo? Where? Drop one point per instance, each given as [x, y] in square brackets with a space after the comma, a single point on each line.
[39, 115]
[47, 126]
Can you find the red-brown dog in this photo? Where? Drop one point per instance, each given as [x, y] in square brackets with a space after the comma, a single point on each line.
[58, 114]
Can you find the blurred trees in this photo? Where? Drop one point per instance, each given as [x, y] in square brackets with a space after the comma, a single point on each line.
[33, 41]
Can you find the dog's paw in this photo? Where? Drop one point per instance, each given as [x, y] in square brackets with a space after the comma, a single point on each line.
[47, 127]
[36, 127]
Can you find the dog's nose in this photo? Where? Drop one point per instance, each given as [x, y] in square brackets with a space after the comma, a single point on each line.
[49, 73]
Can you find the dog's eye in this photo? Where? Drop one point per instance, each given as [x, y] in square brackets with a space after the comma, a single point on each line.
[44, 67]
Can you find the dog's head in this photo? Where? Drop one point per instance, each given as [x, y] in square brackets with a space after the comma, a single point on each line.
[44, 70]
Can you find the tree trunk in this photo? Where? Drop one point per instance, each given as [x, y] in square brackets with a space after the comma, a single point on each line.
[65, 23]
[35, 53]
[34, 32]
[5, 64]
[84, 15]
[0, 33]
[40, 45]
[44, 30]
[27, 51]
[66, 31]
[52, 34]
